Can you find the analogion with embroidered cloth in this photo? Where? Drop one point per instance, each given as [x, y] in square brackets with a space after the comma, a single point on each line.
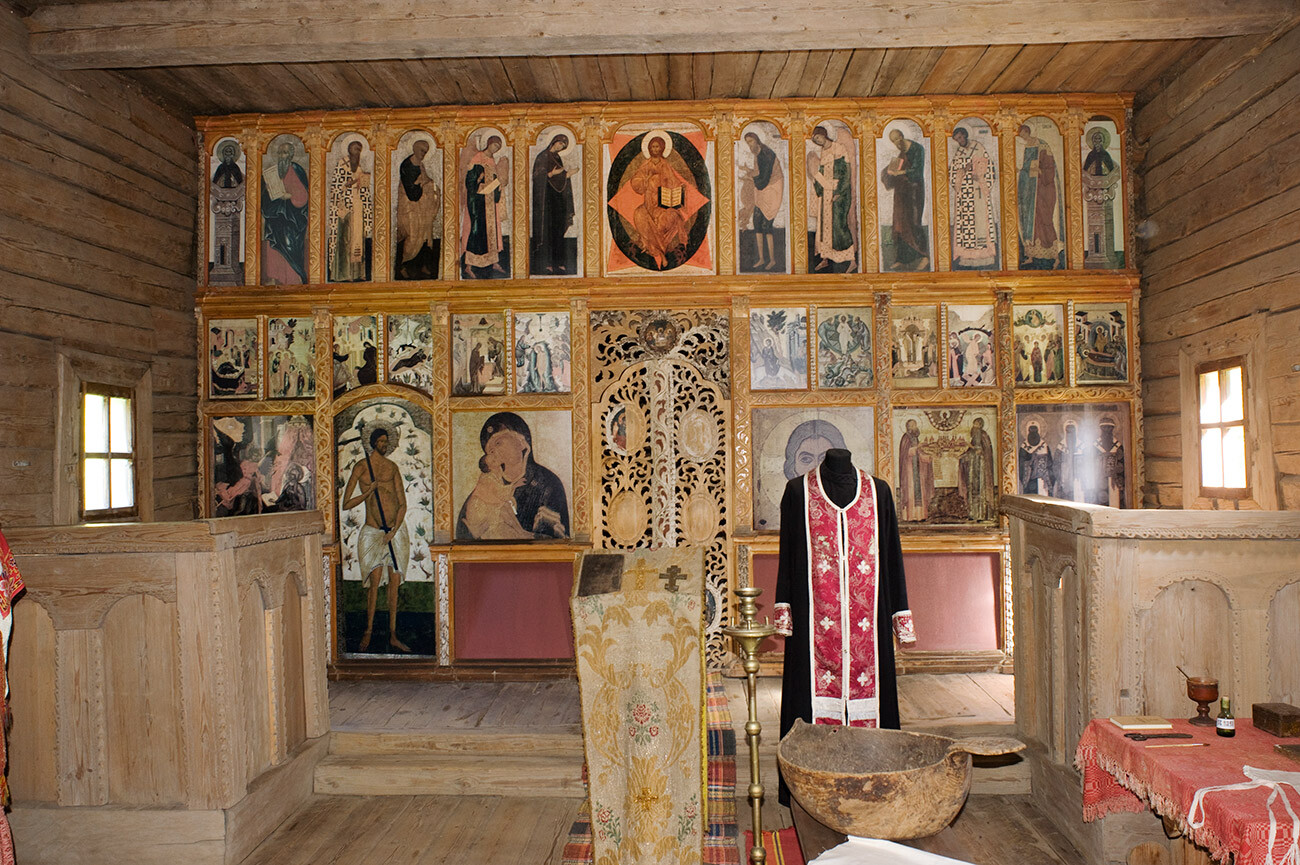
[1236, 797]
[638, 622]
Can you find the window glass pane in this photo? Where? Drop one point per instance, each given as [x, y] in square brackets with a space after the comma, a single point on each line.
[95, 485]
[119, 424]
[1233, 401]
[123, 484]
[1234, 457]
[1210, 397]
[95, 436]
[1211, 458]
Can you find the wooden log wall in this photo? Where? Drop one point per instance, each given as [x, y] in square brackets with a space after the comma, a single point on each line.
[1221, 267]
[98, 232]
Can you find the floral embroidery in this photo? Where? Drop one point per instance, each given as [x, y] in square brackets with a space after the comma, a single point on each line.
[686, 820]
[643, 721]
[903, 627]
[784, 621]
[607, 825]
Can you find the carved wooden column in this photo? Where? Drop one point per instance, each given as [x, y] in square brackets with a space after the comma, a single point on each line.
[322, 433]
[1006, 125]
[591, 197]
[319, 181]
[724, 145]
[580, 379]
[443, 589]
[742, 469]
[1007, 389]
[884, 337]
[798, 197]
[1129, 152]
[868, 225]
[1072, 366]
[521, 134]
[441, 418]
[1072, 133]
[449, 139]
[203, 237]
[381, 256]
[254, 144]
[939, 226]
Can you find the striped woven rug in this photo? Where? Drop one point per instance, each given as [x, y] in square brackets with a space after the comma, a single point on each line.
[720, 838]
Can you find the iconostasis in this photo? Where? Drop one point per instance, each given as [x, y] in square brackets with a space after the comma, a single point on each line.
[481, 340]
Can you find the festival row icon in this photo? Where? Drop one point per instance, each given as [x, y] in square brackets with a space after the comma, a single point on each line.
[660, 192]
[493, 353]
[841, 355]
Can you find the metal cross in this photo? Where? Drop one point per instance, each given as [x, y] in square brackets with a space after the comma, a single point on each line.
[672, 576]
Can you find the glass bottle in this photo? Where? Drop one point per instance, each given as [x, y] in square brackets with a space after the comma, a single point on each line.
[1225, 724]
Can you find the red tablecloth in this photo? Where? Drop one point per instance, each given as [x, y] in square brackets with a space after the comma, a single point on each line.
[1120, 774]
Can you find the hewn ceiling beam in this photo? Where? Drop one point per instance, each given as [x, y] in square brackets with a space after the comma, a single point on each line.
[143, 33]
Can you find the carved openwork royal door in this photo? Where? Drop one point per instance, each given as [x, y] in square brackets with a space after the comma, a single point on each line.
[662, 439]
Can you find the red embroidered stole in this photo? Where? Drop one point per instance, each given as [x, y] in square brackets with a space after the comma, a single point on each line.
[843, 583]
[10, 582]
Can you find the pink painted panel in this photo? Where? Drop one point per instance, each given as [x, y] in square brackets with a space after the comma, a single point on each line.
[512, 611]
[764, 574]
[953, 597]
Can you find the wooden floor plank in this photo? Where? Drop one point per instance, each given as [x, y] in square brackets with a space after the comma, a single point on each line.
[473, 820]
[377, 816]
[305, 835]
[417, 830]
[560, 705]
[512, 704]
[1000, 688]
[518, 826]
[565, 811]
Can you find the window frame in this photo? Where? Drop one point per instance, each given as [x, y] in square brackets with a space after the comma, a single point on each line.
[109, 514]
[1247, 339]
[1218, 366]
[131, 373]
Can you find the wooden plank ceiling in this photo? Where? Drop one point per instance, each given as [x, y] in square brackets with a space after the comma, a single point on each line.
[212, 69]
[1052, 68]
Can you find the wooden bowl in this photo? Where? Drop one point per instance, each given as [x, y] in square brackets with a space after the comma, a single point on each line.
[1202, 689]
[880, 783]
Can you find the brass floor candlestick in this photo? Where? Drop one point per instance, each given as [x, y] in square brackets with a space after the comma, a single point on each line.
[748, 634]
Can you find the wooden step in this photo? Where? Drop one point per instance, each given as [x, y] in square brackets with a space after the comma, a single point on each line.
[504, 741]
[415, 774]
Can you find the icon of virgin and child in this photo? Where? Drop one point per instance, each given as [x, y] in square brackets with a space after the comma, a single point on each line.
[515, 497]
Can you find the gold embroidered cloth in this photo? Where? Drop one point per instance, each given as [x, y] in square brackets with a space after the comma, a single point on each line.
[641, 677]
